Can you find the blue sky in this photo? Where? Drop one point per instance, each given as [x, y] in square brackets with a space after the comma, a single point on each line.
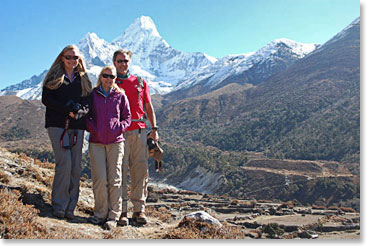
[33, 32]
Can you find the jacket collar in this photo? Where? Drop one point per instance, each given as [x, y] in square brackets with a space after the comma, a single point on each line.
[123, 76]
[101, 92]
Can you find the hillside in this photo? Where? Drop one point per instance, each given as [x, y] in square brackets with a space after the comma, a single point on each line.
[22, 124]
[194, 166]
[250, 175]
[25, 212]
[309, 111]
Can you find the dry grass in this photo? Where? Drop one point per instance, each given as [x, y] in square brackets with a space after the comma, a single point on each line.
[4, 178]
[45, 178]
[24, 158]
[162, 213]
[45, 164]
[201, 230]
[19, 221]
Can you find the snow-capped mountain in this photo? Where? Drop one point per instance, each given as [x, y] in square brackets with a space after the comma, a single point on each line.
[167, 69]
[264, 62]
[161, 65]
[160, 62]
[27, 89]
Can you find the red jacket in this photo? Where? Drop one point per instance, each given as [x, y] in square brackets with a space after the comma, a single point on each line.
[132, 90]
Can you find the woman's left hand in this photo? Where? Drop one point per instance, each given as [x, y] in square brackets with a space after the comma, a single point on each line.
[72, 115]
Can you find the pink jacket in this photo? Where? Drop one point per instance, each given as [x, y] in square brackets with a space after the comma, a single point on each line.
[109, 117]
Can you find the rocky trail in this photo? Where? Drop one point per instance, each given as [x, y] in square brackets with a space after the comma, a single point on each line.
[25, 190]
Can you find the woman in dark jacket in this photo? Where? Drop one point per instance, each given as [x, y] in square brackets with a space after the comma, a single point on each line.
[65, 94]
[108, 119]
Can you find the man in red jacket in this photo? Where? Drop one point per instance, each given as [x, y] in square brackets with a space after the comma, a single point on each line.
[136, 150]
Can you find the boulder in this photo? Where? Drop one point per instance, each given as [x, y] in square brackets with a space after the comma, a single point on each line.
[202, 216]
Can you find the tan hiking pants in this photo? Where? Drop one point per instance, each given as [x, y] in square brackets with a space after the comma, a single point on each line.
[106, 170]
[136, 161]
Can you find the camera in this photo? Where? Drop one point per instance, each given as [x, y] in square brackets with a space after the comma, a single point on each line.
[151, 143]
[73, 106]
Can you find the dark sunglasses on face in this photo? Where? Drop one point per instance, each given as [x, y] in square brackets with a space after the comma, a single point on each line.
[71, 57]
[111, 76]
[121, 61]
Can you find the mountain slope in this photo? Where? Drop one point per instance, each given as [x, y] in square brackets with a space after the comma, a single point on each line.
[279, 115]
[251, 68]
[22, 124]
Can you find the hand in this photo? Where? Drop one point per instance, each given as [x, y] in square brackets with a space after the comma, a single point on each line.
[154, 135]
[82, 112]
[72, 115]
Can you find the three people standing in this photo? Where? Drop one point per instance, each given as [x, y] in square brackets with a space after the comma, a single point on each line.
[118, 140]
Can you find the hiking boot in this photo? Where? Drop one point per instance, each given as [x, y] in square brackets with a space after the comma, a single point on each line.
[123, 221]
[95, 220]
[140, 218]
[69, 215]
[58, 214]
[110, 224]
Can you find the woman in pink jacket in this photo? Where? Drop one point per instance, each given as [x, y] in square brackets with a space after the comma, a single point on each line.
[109, 118]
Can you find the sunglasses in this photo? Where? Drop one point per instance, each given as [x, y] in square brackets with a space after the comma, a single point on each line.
[71, 57]
[121, 61]
[111, 76]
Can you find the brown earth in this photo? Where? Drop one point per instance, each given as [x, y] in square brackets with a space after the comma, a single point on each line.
[28, 115]
[28, 181]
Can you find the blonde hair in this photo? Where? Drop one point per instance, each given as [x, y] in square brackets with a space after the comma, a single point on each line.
[114, 85]
[55, 76]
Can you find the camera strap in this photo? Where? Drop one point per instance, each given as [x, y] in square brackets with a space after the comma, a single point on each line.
[65, 141]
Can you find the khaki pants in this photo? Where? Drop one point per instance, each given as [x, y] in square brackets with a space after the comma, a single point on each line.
[106, 165]
[65, 187]
[135, 160]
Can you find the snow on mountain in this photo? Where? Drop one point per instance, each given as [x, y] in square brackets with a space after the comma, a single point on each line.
[96, 51]
[27, 89]
[165, 68]
[237, 64]
[153, 54]
[162, 66]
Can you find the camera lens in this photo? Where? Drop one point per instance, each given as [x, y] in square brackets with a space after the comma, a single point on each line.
[151, 143]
